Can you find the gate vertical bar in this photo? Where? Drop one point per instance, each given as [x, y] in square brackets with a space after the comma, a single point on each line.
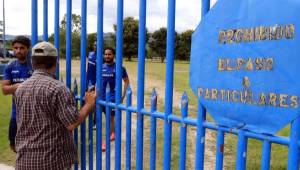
[90, 140]
[34, 22]
[68, 42]
[68, 52]
[153, 130]
[200, 138]
[241, 151]
[45, 21]
[266, 155]
[204, 7]
[128, 128]
[56, 34]
[119, 56]
[107, 128]
[99, 84]
[118, 124]
[183, 131]
[141, 80]
[75, 92]
[169, 83]
[293, 161]
[83, 80]
[220, 150]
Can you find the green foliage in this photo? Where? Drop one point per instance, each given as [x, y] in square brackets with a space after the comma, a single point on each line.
[130, 37]
[156, 45]
[107, 37]
[91, 38]
[183, 45]
[158, 42]
[76, 30]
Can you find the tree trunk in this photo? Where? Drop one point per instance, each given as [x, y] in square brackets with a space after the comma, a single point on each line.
[129, 57]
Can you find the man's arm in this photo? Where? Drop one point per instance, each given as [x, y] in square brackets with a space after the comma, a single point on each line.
[126, 83]
[8, 87]
[90, 102]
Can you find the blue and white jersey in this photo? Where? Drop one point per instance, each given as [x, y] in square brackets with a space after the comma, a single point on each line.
[17, 73]
[91, 69]
[109, 76]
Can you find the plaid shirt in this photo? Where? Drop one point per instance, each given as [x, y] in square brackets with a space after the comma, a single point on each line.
[45, 108]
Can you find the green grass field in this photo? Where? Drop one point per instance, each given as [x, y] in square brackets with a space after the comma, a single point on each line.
[6, 155]
[156, 72]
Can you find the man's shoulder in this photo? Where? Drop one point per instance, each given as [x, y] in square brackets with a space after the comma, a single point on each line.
[16, 64]
[44, 82]
[104, 65]
[10, 66]
[109, 65]
[13, 63]
[55, 83]
[60, 86]
[92, 54]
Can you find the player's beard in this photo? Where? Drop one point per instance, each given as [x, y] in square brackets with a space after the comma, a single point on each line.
[109, 60]
[21, 57]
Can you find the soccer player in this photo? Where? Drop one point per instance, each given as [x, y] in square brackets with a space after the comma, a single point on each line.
[15, 73]
[109, 77]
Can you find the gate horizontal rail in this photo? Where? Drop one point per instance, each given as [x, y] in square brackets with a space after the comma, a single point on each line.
[209, 125]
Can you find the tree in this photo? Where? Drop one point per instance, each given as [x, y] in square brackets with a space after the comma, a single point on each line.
[107, 38]
[91, 38]
[76, 30]
[130, 37]
[183, 45]
[158, 42]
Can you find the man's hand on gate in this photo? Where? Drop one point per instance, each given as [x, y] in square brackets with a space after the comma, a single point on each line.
[89, 106]
[90, 99]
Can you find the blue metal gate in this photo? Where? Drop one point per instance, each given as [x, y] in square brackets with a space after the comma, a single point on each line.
[168, 117]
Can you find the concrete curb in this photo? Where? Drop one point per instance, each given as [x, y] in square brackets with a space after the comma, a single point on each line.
[6, 167]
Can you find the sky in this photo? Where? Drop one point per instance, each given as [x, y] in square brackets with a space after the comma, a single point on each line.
[18, 14]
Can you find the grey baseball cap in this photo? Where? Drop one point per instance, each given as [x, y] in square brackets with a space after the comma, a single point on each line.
[44, 49]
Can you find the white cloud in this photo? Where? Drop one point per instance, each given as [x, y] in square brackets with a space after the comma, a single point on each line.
[18, 14]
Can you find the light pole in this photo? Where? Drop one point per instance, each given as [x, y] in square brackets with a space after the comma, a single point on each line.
[4, 49]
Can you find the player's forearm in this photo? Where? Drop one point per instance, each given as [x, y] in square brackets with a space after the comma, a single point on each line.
[126, 83]
[9, 89]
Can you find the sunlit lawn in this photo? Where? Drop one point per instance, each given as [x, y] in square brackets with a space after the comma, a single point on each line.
[6, 155]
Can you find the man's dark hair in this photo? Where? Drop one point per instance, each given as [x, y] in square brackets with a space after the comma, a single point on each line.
[22, 40]
[111, 49]
[43, 62]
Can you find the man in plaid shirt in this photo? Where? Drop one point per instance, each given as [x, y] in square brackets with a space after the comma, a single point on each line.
[46, 115]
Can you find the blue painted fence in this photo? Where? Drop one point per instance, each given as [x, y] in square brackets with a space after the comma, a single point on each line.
[168, 117]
